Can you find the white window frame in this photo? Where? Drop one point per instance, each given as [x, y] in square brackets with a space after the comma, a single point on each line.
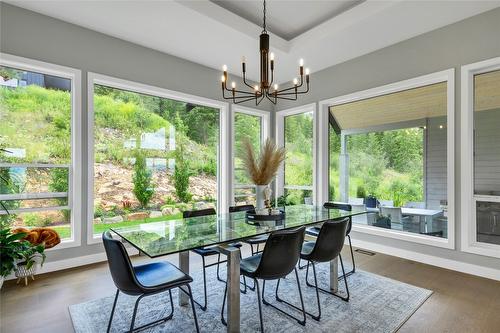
[265, 132]
[75, 167]
[469, 241]
[447, 76]
[223, 149]
[280, 141]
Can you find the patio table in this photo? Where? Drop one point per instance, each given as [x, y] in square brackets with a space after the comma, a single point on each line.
[157, 239]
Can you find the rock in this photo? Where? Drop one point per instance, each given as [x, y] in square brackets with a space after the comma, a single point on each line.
[167, 211]
[97, 220]
[114, 219]
[137, 216]
[200, 205]
[155, 213]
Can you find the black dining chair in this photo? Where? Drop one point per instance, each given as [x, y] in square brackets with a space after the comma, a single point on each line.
[257, 240]
[277, 260]
[314, 231]
[327, 247]
[205, 252]
[143, 280]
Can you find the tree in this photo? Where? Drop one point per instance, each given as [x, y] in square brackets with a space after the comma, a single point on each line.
[181, 175]
[143, 180]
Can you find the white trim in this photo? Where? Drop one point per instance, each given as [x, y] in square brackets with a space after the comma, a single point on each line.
[224, 121]
[447, 76]
[454, 265]
[38, 195]
[265, 132]
[280, 142]
[75, 171]
[469, 241]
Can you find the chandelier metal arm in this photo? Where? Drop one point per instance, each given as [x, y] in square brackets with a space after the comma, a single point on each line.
[264, 88]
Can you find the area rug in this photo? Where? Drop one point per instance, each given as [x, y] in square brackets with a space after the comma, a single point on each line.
[377, 304]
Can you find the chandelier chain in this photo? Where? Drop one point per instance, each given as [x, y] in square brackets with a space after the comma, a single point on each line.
[264, 20]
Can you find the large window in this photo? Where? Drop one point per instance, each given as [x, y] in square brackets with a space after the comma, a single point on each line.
[153, 156]
[247, 126]
[481, 121]
[389, 153]
[297, 137]
[37, 175]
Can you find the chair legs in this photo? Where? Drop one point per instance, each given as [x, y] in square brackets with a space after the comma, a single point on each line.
[263, 300]
[352, 257]
[344, 275]
[302, 309]
[134, 314]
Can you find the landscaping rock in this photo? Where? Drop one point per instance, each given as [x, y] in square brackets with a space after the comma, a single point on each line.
[200, 205]
[167, 211]
[114, 219]
[97, 220]
[155, 213]
[137, 216]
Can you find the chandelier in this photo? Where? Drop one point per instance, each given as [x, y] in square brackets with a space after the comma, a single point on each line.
[266, 88]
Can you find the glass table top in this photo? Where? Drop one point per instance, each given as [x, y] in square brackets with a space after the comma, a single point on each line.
[166, 237]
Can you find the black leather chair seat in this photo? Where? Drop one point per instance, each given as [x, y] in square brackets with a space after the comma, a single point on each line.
[209, 251]
[257, 239]
[160, 275]
[313, 231]
[249, 265]
[307, 248]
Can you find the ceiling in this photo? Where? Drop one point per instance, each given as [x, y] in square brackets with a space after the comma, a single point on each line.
[213, 33]
[407, 105]
[288, 19]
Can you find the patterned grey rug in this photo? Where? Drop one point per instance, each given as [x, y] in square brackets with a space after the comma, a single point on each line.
[377, 304]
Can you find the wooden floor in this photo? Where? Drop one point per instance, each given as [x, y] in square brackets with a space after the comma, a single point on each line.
[460, 303]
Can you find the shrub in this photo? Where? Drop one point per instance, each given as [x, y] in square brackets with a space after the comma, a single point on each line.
[143, 180]
[59, 183]
[360, 192]
[181, 176]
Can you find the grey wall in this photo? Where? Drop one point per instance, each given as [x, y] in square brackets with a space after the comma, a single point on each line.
[436, 172]
[468, 41]
[32, 35]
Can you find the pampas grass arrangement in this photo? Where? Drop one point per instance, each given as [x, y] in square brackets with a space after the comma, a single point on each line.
[263, 168]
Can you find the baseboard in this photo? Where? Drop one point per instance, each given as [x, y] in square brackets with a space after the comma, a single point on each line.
[450, 264]
[73, 262]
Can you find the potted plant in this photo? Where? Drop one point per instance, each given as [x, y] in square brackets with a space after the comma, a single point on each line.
[262, 169]
[18, 255]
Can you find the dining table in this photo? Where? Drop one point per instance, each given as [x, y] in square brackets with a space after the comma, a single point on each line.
[156, 239]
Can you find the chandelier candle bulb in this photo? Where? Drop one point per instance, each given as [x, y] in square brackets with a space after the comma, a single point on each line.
[271, 56]
[275, 87]
[307, 71]
[301, 62]
[295, 81]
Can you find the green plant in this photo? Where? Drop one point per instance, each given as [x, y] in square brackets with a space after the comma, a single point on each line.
[60, 183]
[16, 251]
[169, 200]
[143, 180]
[360, 192]
[181, 175]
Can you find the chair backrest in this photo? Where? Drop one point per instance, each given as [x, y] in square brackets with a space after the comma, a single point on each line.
[120, 266]
[330, 240]
[338, 205]
[394, 213]
[195, 213]
[415, 204]
[242, 208]
[386, 203]
[281, 253]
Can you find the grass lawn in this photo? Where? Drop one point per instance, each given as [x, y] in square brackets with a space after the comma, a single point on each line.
[65, 231]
